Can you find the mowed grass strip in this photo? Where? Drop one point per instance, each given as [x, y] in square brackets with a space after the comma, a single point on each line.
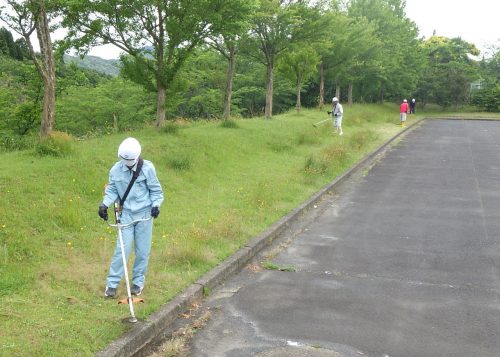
[223, 185]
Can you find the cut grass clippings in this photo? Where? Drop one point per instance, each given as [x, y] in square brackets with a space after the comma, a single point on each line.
[222, 187]
[178, 344]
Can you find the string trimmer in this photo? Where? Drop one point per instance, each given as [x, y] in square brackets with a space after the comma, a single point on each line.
[119, 226]
[322, 121]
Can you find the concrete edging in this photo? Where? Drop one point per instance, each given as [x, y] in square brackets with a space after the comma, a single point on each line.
[464, 119]
[146, 332]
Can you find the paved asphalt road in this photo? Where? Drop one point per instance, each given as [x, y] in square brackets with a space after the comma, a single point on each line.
[403, 261]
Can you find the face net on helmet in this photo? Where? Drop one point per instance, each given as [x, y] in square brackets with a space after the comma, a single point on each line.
[129, 151]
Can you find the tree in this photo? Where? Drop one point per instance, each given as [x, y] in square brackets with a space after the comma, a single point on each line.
[400, 62]
[157, 36]
[314, 32]
[449, 71]
[7, 45]
[226, 39]
[298, 65]
[22, 49]
[272, 31]
[111, 105]
[25, 18]
[488, 97]
[22, 93]
[199, 86]
[354, 49]
[324, 50]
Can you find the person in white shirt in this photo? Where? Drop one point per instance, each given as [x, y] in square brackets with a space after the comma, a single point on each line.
[337, 112]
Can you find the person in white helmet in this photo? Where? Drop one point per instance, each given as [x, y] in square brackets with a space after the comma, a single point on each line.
[412, 106]
[143, 200]
[337, 113]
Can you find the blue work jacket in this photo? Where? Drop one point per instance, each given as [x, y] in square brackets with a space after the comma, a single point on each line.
[144, 194]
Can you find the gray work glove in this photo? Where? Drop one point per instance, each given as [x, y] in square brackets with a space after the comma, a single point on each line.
[103, 211]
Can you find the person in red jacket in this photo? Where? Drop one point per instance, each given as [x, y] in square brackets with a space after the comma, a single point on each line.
[403, 109]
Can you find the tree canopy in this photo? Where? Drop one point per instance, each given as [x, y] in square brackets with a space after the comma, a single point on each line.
[216, 58]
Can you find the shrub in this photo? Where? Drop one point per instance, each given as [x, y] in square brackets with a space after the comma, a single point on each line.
[12, 142]
[25, 118]
[57, 144]
[488, 99]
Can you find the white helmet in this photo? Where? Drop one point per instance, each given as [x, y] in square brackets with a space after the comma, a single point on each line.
[335, 99]
[129, 151]
[404, 101]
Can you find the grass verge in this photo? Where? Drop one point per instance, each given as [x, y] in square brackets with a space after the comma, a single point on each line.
[222, 187]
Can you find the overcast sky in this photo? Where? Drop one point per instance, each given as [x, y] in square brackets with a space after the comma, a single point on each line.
[475, 21]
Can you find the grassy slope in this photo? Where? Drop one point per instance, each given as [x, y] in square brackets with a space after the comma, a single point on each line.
[222, 187]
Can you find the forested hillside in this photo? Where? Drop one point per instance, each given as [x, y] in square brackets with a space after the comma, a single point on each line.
[109, 67]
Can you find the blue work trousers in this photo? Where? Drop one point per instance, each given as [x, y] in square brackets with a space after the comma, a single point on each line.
[141, 235]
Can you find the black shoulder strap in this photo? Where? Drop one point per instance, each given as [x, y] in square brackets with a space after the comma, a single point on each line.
[137, 172]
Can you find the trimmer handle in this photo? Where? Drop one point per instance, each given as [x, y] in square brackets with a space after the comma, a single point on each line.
[118, 212]
[120, 225]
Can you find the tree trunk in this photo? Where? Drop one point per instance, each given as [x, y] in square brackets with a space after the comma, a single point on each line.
[298, 105]
[321, 86]
[160, 105]
[349, 94]
[160, 70]
[269, 91]
[337, 90]
[115, 123]
[49, 108]
[47, 71]
[229, 82]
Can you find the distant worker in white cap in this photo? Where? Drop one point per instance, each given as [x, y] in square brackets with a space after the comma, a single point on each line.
[412, 106]
[143, 200]
[403, 109]
[337, 112]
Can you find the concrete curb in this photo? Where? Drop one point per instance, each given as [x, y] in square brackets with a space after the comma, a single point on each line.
[464, 119]
[144, 333]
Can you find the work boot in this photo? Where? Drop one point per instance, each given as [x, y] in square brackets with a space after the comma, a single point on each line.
[136, 290]
[110, 292]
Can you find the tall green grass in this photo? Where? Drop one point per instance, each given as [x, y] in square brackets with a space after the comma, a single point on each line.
[222, 187]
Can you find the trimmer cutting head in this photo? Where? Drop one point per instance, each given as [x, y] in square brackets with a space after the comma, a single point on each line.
[126, 300]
